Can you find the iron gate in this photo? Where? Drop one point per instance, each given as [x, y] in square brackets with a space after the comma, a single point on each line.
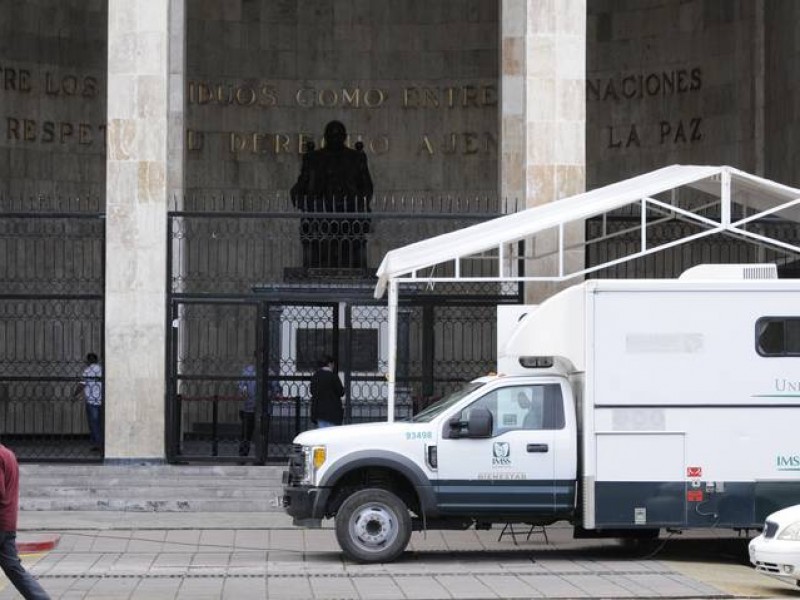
[239, 297]
[51, 316]
[442, 343]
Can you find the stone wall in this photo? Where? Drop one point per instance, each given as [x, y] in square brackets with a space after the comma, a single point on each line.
[782, 121]
[417, 82]
[52, 97]
[670, 81]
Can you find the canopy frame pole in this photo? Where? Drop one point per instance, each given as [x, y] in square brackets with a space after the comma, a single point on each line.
[644, 224]
[725, 198]
[392, 341]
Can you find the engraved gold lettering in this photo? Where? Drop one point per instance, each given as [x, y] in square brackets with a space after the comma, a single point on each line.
[305, 97]
[451, 96]
[491, 143]
[351, 99]
[204, 94]
[302, 140]
[29, 130]
[257, 147]
[224, 95]
[282, 143]
[470, 143]
[194, 140]
[64, 131]
[245, 96]
[469, 96]
[268, 96]
[431, 97]
[24, 80]
[379, 144]
[410, 97]
[328, 98]
[9, 79]
[49, 88]
[237, 142]
[90, 87]
[69, 85]
[697, 79]
[489, 95]
[12, 129]
[374, 97]
[84, 134]
[426, 145]
[48, 132]
[450, 145]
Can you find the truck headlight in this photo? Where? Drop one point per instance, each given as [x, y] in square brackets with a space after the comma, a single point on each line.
[792, 532]
[313, 457]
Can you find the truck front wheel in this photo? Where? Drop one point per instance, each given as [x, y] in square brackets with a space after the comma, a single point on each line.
[373, 525]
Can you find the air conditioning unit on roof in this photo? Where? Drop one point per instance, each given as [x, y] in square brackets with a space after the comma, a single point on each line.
[730, 272]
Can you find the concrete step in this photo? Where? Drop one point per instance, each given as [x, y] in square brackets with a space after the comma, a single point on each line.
[165, 492]
[220, 481]
[150, 505]
[149, 488]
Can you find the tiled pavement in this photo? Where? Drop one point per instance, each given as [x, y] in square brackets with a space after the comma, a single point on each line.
[286, 563]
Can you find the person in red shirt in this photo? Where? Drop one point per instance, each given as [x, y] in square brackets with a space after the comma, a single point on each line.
[9, 504]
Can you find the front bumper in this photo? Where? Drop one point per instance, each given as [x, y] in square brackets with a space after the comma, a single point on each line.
[305, 504]
[776, 558]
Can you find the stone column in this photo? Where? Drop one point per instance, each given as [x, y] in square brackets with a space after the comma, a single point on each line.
[139, 176]
[543, 117]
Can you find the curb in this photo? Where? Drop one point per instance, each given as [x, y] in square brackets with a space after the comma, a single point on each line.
[40, 544]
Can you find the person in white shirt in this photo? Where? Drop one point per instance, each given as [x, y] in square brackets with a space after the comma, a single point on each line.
[92, 388]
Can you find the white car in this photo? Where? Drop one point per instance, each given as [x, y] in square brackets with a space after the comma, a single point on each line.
[776, 552]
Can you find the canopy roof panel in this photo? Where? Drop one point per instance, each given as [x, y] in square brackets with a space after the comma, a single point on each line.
[729, 185]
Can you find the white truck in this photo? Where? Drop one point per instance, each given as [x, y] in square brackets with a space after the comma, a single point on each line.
[621, 406]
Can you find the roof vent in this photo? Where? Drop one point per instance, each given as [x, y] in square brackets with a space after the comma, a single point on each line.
[730, 272]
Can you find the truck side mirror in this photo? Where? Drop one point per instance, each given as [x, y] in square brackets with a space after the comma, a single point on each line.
[480, 423]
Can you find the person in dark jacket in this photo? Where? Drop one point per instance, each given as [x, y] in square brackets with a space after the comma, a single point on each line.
[9, 504]
[326, 395]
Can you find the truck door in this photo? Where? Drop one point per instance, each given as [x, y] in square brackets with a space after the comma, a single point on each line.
[513, 472]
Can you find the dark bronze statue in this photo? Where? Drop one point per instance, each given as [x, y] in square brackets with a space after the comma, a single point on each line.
[334, 179]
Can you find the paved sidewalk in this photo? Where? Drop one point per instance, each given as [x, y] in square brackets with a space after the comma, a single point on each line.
[175, 556]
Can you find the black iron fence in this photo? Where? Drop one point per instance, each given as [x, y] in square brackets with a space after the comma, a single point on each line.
[619, 234]
[244, 290]
[51, 315]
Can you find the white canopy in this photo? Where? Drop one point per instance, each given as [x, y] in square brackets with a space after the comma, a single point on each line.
[755, 192]
[732, 192]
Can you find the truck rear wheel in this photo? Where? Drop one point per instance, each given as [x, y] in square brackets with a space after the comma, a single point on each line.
[373, 525]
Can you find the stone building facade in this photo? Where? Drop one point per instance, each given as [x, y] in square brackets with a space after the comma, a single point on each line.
[134, 107]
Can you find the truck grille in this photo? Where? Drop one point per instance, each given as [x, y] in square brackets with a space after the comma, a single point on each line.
[297, 464]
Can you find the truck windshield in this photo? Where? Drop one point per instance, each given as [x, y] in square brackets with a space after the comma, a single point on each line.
[436, 408]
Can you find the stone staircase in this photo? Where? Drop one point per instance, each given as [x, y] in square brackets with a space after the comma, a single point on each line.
[149, 488]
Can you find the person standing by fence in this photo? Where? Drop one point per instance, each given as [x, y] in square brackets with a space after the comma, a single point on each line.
[9, 505]
[92, 388]
[247, 414]
[326, 395]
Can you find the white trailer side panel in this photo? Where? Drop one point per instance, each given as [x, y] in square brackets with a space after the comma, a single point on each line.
[684, 424]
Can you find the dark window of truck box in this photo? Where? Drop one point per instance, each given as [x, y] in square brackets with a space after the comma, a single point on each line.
[778, 336]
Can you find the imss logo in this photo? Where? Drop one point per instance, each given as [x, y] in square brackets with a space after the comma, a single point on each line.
[787, 462]
[501, 452]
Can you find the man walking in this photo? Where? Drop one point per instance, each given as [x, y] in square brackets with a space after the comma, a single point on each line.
[326, 393]
[9, 504]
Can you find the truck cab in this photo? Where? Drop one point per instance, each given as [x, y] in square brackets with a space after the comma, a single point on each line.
[499, 449]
